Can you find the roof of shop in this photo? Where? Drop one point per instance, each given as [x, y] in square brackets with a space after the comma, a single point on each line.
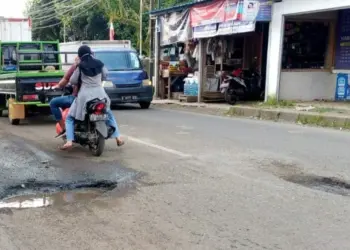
[157, 12]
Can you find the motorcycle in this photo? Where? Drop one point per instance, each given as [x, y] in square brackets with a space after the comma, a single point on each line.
[242, 85]
[93, 131]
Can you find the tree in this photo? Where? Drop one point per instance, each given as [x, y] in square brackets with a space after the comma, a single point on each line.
[89, 20]
[125, 16]
[44, 28]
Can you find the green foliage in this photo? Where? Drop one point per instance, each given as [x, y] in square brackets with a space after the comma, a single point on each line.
[91, 22]
[88, 22]
[170, 3]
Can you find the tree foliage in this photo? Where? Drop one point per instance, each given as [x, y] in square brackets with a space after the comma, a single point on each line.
[75, 20]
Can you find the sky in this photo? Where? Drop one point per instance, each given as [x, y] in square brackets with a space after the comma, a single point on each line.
[13, 8]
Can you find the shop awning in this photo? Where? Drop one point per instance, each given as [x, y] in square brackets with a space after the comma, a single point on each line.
[226, 17]
[176, 8]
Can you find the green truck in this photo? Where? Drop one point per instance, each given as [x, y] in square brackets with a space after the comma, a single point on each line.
[28, 72]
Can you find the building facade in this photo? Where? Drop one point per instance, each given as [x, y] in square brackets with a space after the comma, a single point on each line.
[309, 50]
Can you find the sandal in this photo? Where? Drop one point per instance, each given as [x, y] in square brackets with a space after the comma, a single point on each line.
[63, 132]
[66, 147]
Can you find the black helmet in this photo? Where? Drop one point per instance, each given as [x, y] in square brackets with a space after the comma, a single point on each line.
[84, 50]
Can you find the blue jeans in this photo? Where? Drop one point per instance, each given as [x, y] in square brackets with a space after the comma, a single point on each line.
[62, 102]
[110, 122]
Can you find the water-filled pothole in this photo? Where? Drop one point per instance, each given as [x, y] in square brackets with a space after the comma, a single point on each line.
[50, 199]
[39, 194]
[325, 184]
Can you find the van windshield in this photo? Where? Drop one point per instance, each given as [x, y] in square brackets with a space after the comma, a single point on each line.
[123, 60]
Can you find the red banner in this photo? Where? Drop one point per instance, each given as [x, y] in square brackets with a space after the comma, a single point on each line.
[218, 11]
[231, 10]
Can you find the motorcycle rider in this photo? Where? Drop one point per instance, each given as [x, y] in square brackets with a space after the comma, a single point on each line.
[89, 74]
[64, 102]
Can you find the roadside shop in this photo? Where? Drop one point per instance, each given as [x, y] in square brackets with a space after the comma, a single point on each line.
[202, 42]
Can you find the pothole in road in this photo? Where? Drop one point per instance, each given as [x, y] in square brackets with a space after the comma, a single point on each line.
[325, 184]
[38, 194]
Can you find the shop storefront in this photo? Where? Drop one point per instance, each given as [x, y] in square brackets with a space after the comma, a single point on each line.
[200, 44]
[309, 51]
[234, 37]
[178, 57]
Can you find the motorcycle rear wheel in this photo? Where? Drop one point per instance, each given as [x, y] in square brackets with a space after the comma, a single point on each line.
[230, 98]
[98, 148]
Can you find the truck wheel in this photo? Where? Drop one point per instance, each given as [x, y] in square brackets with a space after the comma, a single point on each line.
[97, 149]
[145, 105]
[14, 121]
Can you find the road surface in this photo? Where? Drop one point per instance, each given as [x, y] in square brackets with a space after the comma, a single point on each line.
[186, 181]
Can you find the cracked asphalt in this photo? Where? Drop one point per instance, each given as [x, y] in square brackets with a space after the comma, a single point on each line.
[186, 181]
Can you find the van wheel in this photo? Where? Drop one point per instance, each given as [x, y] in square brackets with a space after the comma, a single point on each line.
[145, 105]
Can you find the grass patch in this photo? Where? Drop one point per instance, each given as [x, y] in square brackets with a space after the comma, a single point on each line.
[323, 110]
[321, 121]
[272, 102]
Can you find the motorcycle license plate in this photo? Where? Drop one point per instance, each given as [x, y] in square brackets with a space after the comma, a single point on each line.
[95, 118]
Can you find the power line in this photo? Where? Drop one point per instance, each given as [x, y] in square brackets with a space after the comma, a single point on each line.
[46, 7]
[59, 22]
[51, 17]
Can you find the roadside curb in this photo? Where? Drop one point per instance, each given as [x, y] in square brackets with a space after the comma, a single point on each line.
[273, 114]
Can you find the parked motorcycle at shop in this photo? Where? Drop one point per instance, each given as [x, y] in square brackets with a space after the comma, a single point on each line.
[242, 85]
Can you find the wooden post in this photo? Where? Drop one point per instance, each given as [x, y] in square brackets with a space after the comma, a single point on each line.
[156, 58]
[201, 62]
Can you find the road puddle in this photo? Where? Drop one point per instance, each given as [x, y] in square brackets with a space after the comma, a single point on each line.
[51, 199]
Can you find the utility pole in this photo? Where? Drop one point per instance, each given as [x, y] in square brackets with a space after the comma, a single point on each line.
[141, 10]
[151, 25]
[64, 31]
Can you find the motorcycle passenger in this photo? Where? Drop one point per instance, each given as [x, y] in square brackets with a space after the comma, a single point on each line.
[91, 72]
[66, 101]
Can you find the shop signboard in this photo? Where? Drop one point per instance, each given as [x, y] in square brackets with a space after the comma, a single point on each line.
[255, 10]
[205, 31]
[342, 54]
[231, 10]
[208, 13]
[175, 27]
[214, 12]
[342, 90]
[235, 27]
[222, 29]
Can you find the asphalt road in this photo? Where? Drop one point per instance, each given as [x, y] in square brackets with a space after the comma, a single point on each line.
[188, 181]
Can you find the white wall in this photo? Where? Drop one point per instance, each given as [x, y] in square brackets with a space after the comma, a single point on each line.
[306, 86]
[279, 11]
[15, 31]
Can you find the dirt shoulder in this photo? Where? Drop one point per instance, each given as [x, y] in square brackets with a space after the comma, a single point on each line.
[322, 114]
